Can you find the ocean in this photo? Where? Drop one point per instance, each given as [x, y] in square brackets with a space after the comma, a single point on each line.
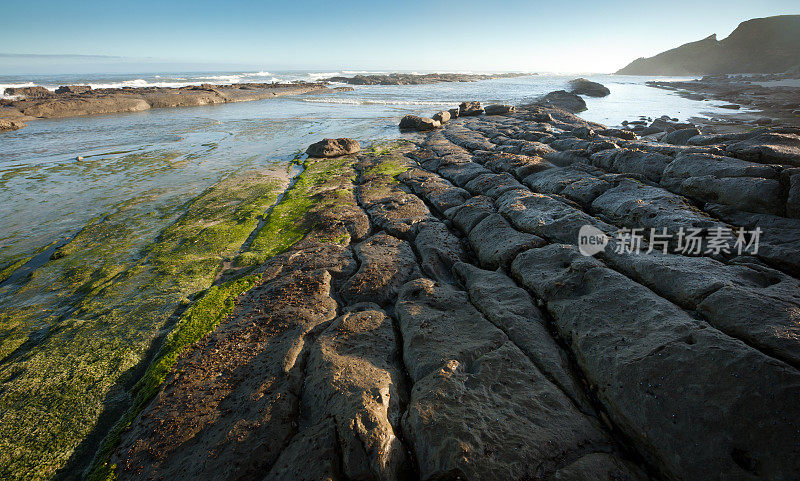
[168, 156]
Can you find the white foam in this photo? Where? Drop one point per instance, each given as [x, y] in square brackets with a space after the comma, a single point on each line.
[3, 88]
[320, 76]
[362, 72]
[138, 83]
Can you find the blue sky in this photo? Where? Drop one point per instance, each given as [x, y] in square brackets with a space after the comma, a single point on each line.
[573, 36]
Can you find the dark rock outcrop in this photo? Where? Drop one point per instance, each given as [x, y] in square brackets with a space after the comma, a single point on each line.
[28, 92]
[467, 109]
[461, 333]
[499, 109]
[38, 102]
[582, 86]
[8, 125]
[333, 148]
[758, 45]
[441, 117]
[564, 100]
[680, 136]
[416, 79]
[73, 89]
[415, 122]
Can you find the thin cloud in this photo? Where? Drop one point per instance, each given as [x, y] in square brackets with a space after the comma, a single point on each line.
[45, 56]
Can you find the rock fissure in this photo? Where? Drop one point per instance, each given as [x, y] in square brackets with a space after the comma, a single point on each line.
[436, 321]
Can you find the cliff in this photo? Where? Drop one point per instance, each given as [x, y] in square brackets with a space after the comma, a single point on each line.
[767, 45]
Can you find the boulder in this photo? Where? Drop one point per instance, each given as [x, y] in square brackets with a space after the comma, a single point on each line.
[414, 122]
[564, 100]
[28, 92]
[619, 133]
[680, 137]
[499, 109]
[454, 113]
[333, 148]
[582, 86]
[662, 125]
[442, 117]
[73, 89]
[469, 108]
[8, 125]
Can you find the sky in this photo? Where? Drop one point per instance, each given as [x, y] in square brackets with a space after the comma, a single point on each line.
[56, 36]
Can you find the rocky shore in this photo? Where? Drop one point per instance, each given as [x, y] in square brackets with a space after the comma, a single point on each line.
[72, 101]
[777, 96]
[417, 79]
[431, 316]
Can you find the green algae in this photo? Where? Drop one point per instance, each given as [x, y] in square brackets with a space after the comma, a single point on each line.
[6, 271]
[115, 299]
[76, 333]
[389, 147]
[201, 318]
[287, 223]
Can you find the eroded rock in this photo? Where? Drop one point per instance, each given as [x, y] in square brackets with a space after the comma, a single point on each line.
[333, 148]
[582, 86]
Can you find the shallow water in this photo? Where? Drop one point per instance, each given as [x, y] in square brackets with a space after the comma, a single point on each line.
[46, 193]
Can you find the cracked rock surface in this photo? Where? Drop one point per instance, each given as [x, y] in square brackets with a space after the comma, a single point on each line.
[460, 333]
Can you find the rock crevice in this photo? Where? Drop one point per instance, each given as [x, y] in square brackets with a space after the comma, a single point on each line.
[460, 333]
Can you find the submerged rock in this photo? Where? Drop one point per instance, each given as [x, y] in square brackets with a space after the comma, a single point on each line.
[333, 148]
[582, 86]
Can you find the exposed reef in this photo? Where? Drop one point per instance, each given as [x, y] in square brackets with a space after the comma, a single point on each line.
[777, 96]
[429, 315]
[72, 101]
[417, 79]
